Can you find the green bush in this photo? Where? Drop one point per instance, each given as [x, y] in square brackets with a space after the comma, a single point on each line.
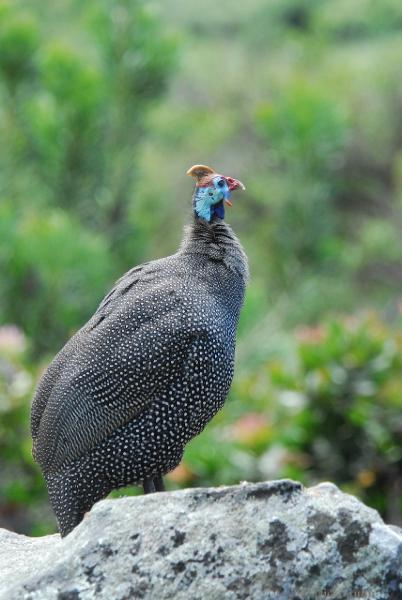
[56, 273]
[362, 19]
[306, 133]
[23, 505]
[75, 91]
[349, 422]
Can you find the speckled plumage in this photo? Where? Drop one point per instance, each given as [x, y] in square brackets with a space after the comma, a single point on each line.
[145, 374]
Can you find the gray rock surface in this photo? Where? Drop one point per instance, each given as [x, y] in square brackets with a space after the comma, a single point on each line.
[265, 541]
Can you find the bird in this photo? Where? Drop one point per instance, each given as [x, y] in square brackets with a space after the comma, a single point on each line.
[148, 371]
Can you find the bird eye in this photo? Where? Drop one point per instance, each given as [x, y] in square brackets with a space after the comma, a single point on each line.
[221, 182]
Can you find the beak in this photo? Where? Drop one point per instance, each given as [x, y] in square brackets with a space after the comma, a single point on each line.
[233, 184]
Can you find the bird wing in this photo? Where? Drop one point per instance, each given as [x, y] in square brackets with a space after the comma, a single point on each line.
[60, 362]
[45, 386]
[127, 355]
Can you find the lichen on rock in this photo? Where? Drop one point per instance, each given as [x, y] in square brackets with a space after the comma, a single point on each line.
[273, 540]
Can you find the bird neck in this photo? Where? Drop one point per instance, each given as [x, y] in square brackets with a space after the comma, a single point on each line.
[216, 241]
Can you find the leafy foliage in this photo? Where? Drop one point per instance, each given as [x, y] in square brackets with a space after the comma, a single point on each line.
[21, 485]
[69, 138]
[349, 422]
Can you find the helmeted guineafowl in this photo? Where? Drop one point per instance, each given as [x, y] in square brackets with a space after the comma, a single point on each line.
[148, 371]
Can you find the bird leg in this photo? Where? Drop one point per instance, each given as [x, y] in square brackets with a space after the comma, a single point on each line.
[159, 484]
[153, 484]
[148, 485]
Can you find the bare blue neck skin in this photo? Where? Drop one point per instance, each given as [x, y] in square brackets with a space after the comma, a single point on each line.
[208, 201]
[207, 211]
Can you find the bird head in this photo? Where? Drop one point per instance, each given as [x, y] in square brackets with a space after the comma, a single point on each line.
[212, 191]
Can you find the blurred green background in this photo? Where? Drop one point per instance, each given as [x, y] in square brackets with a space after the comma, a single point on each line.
[103, 107]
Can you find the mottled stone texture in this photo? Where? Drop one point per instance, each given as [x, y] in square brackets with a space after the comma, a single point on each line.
[262, 541]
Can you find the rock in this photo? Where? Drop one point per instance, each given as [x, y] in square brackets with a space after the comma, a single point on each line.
[265, 541]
